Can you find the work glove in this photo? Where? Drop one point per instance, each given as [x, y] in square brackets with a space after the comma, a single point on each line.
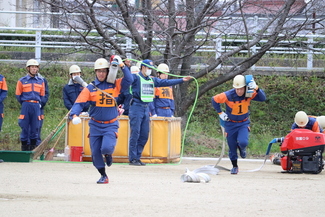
[84, 114]
[252, 85]
[76, 120]
[118, 59]
[223, 116]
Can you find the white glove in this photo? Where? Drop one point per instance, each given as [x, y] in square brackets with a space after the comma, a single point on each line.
[252, 85]
[84, 113]
[119, 60]
[154, 115]
[223, 116]
[76, 120]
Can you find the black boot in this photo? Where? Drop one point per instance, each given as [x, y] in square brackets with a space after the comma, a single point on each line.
[32, 145]
[24, 146]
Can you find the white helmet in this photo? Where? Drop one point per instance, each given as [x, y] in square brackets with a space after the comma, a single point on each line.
[162, 67]
[301, 119]
[101, 63]
[138, 64]
[135, 69]
[74, 69]
[321, 121]
[32, 62]
[239, 81]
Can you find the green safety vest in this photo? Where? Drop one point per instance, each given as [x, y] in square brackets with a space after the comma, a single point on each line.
[146, 89]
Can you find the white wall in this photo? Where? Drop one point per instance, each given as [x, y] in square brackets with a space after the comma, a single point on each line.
[21, 20]
[7, 20]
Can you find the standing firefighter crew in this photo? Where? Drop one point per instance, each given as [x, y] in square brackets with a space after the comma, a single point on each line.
[43, 103]
[30, 92]
[103, 125]
[72, 90]
[143, 93]
[163, 103]
[3, 95]
[236, 116]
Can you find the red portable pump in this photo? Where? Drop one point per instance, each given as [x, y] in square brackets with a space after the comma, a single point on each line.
[303, 151]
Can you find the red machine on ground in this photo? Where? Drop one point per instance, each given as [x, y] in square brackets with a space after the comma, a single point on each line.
[303, 151]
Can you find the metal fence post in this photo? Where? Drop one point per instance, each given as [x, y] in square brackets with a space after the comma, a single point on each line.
[253, 49]
[38, 44]
[218, 49]
[310, 52]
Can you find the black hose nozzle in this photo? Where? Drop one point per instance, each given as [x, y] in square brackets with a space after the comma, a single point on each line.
[279, 139]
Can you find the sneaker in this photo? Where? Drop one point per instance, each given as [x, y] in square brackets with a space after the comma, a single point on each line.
[234, 170]
[142, 164]
[103, 180]
[242, 152]
[135, 162]
[109, 159]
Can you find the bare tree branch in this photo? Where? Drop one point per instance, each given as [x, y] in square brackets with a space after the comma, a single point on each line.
[173, 32]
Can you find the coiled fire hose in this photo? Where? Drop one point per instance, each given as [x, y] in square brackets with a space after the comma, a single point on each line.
[199, 175]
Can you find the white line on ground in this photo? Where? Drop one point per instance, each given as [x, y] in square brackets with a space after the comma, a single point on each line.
[215, 159]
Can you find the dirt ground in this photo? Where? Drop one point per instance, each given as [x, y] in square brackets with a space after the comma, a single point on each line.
[43, 188]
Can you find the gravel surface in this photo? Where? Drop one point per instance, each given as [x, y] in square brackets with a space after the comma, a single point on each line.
[44, 188]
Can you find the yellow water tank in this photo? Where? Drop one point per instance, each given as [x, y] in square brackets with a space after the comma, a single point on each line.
[163, 145]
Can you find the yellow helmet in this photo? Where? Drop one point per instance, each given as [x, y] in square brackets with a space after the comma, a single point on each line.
[239, 81]
[301, 119]
[32, 62]
[162, 67]
[321, 121]
[101, 63]
[74, 69]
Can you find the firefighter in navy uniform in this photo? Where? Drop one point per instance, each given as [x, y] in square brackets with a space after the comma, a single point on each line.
[301, 121]
[143, 93]
[3, 96]
[103, 125]
[163, 103]
[30, 92]
[72, 90]
[43, 103]
[236, 116]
